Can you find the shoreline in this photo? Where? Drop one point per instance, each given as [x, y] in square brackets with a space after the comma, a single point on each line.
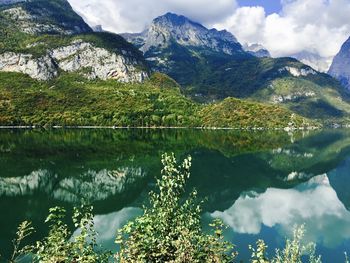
[286, 129]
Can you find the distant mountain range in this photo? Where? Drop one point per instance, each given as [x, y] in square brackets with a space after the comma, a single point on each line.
[46, 39]
[313, 60]
[257, 50]
[213, 65]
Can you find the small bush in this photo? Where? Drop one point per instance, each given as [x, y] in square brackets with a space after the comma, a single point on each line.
[293, 251]
[170, 229]
[59, 245]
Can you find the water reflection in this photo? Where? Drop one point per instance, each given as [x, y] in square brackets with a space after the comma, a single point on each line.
[95, 186]
[257, 182]
[28, 184]
[88, 187]
[314, 203]
[340, 180]
[107, 225]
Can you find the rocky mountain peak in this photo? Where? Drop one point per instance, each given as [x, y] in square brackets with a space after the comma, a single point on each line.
[257, 50]
[97, 28]
[340, 68]
[172, 28]
[172, 20]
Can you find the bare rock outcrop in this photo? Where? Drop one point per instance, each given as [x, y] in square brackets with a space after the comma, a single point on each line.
[42, 68]
[81, 57]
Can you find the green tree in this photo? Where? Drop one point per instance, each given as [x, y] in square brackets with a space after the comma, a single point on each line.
[170, 229]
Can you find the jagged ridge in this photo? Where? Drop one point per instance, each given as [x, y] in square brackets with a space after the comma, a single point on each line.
[171, 27]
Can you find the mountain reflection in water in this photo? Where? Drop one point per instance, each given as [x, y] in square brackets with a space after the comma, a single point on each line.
[260, 183]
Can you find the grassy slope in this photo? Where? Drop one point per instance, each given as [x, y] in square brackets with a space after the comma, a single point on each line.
[237, 113]
[327, 101]
[72, 100]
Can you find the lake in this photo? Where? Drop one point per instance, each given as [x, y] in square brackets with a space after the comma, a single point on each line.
[261, 184]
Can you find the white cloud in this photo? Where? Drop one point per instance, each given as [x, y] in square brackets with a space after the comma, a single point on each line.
[133, 15]
[318, 27]
[246, 23]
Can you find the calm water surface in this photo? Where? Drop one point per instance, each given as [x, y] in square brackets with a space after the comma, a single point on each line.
[261, 184]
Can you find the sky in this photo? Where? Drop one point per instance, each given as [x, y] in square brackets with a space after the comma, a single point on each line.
[312, 30]
[270, 6]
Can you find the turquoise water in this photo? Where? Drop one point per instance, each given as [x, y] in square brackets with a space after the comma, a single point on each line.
[261, 184]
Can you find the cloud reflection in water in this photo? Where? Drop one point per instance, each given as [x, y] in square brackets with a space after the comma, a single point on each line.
[107, 225]
[314, 203]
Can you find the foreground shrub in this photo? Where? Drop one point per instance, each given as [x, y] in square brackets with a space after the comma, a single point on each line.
[59, 245]
[293, 252]
[170, 229]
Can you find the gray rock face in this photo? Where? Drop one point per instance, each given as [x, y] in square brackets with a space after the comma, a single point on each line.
[177, 46]
[97, 28]
[172, 27]
[42, 68]
[313, 60]
[257, 51]
[294, 96]
[79, 56]
[340, 68]
[296, 72]
[98, 62]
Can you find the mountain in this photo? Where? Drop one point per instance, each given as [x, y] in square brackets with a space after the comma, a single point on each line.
[340, 67]
[44, 16]
[179, 47]
[171, 28]
[212, 65]
[45, 37]
[97, 28]
[54, 70]
[313, 60]
[257, 50]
